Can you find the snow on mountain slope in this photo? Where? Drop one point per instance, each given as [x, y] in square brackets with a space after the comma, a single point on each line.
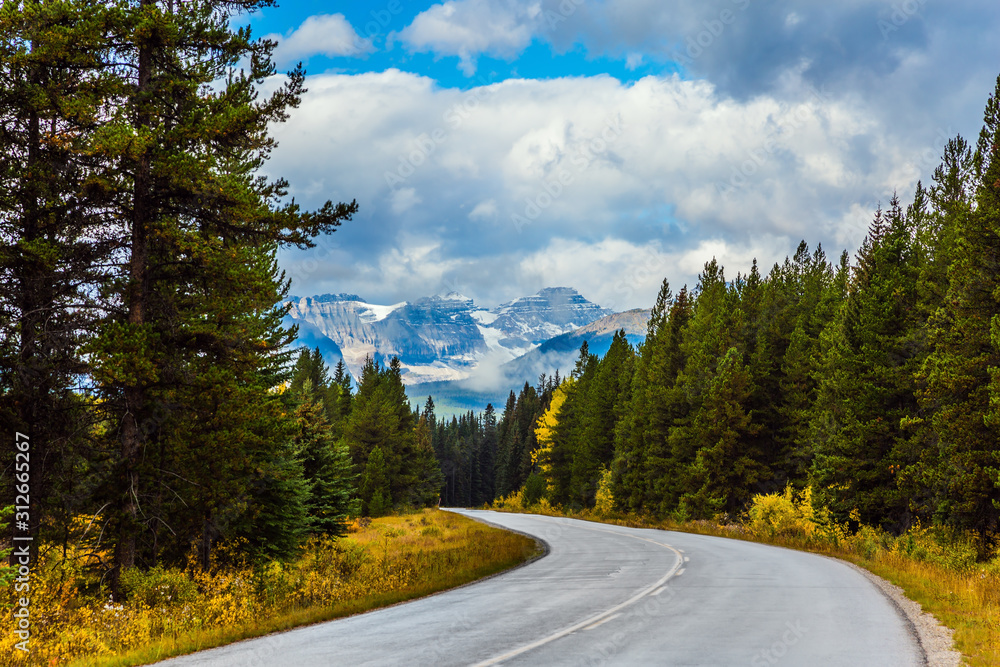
[445, 337]
[559, 353]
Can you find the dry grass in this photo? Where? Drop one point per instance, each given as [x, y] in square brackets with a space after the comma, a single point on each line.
[172, 613]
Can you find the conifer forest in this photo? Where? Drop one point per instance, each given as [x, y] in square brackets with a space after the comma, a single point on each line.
[143, 357]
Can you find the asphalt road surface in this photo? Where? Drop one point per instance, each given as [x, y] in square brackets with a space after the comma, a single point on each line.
[606, 595]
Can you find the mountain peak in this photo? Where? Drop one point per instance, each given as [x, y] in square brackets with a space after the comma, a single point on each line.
[442, 337]
[333, 298]
[453, 296]
[554, 299]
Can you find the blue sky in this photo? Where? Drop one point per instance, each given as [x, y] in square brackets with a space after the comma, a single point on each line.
[538, 60]
[497, 147]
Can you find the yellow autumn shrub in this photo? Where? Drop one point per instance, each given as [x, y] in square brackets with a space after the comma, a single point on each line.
[604, 503]
[791, 515]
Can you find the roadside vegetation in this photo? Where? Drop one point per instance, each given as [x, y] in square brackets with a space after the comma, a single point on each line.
[173, 611]
[940, 568]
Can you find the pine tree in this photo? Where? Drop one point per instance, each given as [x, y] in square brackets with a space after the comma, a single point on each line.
[186, 135]
[724, 469]
[709, 333]
[506, 470]
[960, 373]
[309, 368]
[487, 462]
[55, 242]
[430, 480]
[861, 449]
[376, 499]
[381, 418]
[326, 467]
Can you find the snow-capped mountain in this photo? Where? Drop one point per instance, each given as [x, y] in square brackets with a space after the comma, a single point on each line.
[437, 338]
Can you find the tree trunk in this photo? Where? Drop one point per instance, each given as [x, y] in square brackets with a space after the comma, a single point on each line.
[136, 408]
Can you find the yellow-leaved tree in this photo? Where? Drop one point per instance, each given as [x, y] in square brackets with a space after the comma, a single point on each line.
[548, 457]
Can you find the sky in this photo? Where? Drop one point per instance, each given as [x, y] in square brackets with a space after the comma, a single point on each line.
[497, 147]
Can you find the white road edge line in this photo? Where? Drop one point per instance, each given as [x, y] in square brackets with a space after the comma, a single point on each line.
[596, 619]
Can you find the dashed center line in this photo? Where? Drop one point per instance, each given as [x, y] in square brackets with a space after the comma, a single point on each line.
[602, 617]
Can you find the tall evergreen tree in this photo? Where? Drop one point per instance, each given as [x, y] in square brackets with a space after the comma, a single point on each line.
[862, 448]
[55, 241]
[960, 373]
[725, 468]
[186, 136]
[381, 418]
[326, 467]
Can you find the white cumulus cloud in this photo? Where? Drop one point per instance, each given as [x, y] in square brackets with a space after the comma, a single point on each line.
[524, 184]
[324, 34]
[468, 28]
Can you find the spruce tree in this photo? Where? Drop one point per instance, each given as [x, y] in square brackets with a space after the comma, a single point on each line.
[326, 467]
[960, 373]
[725, 468]
[506, 468]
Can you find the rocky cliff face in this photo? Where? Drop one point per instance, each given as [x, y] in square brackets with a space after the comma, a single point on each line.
[442, 337]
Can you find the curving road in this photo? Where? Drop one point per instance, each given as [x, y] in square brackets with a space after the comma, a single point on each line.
[607, 595]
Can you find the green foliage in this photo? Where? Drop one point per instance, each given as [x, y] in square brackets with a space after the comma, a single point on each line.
[158, 587]
[877, 384]
[534, 490]
[873, 353]
[381, 418]
[376, 499]
[138, 247]
[326, 468]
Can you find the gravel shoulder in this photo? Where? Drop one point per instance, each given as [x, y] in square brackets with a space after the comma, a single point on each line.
[935, 639]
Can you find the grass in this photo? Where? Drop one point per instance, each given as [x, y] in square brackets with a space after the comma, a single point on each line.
[171, 613]
[934, 568]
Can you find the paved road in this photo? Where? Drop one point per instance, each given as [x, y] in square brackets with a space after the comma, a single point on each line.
[607, 595]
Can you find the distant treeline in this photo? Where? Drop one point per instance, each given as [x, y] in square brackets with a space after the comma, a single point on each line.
[876, 382]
